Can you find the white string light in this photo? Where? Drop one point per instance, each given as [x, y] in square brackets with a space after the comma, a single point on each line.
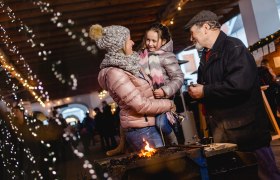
[102, 94]
[68, 135]
[42, 53]
[11, 69]
[45, 7]
[23, 27]
[71, 81]
[13, 161]
[171, 16]
[30, 123]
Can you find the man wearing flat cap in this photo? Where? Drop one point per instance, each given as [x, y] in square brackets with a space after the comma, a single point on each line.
[229, 90]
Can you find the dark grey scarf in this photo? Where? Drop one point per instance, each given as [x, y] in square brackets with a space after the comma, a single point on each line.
[128, 63]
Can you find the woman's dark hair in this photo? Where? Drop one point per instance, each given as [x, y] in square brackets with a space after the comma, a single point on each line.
[162, 30]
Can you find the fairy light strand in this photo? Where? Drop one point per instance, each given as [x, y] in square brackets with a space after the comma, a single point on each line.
[45, 8]
[71, 81]
[33, 130]
[29, 32]
[173, 11]
[22, 80]
[14, 49]
[13, 161]
[42, 53]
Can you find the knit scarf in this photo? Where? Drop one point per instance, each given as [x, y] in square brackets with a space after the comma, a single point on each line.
[128, 63]
[150, 63]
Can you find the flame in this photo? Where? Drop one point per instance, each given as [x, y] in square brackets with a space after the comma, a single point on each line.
[147, 151]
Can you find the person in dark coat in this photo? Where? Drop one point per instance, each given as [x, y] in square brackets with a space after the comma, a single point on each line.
[228, 86]
[268, 78]
[266, 73]
[87, 132]
[100, 127]
[110, 130]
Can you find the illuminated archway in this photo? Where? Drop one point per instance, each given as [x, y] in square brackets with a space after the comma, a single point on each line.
[72, 120]
[76, 111]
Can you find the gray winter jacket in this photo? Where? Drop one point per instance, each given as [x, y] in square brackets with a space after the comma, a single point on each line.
[173, 75]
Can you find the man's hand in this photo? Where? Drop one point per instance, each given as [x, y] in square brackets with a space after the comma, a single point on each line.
[159, 93]
[196, 91]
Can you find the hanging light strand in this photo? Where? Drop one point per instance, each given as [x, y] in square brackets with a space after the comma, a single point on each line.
[23, 27]
[29, 32]
[11, 161]
[172, 11]
[18, 76]
[71, 81]
[45, 8]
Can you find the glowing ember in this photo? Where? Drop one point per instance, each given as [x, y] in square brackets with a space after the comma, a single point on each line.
[147, 151]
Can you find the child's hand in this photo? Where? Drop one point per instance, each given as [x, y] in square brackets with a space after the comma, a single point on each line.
[158, 93]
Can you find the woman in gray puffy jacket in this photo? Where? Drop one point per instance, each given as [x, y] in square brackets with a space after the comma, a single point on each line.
[130, 88]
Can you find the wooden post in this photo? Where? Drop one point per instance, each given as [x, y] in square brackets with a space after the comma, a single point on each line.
[270, 114]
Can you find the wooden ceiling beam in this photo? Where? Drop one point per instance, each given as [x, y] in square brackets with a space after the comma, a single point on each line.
[80, 19]
[181, 22]
[76, 4]
[171, 11]
[37, 14]
[54, 47]
[78, 74]
[188, 12]
[56, 55]
[77, 8]
[202, 5]
[58, 38]
[58, 50]
[55, 32]
[234, 12]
